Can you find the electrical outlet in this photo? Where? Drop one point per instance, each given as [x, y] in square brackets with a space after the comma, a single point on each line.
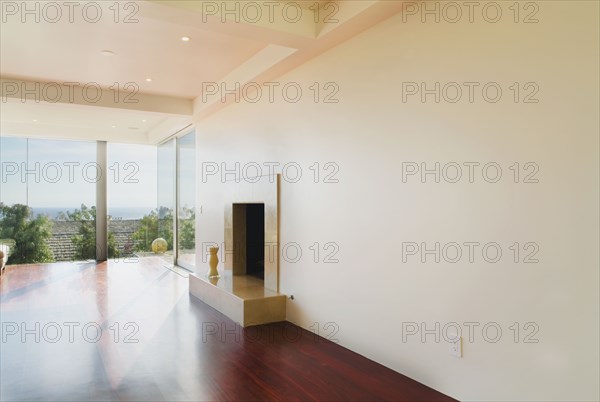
[456, 347]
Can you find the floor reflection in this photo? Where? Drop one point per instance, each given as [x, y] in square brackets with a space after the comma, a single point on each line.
[129, 330]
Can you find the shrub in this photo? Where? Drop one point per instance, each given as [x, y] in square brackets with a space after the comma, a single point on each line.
[30, 234]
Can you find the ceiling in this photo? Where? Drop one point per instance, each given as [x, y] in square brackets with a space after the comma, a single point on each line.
[309, 5]
[140, 50]
[152, 48]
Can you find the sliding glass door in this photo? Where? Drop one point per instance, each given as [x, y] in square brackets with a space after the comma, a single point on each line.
[166, 197]
[131, 199]
[186, 201]
[177, 199]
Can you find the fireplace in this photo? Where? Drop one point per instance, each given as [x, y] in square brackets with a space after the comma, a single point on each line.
[251, 229]
[248, 289]
[249, 239]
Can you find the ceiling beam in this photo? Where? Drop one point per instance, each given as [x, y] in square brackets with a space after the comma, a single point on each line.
[91, 94]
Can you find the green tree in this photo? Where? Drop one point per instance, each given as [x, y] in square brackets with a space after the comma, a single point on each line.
[85, 240]
[187, 229]
[152, 226]
[30, 234]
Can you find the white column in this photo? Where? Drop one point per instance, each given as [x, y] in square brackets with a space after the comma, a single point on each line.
[101, 204]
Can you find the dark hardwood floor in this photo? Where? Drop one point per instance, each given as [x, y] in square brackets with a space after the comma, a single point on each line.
[130, 331]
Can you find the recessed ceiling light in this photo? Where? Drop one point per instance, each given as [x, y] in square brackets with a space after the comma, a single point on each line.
[143, 121]
[35, 120]
[185, 38]
[148, 79]
[113, 126]
[107, 53]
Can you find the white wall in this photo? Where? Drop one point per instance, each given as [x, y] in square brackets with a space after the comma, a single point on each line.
[370, 293]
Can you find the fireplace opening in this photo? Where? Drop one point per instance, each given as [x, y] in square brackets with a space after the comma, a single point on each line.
[255, 240]
[249, 238]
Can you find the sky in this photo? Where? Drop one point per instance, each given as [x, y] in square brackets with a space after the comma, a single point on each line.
[62, 174]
